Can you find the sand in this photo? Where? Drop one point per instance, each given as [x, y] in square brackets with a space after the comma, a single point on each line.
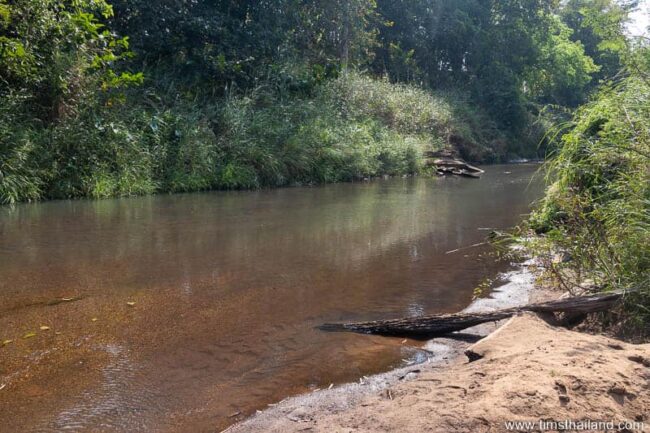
[528, 371]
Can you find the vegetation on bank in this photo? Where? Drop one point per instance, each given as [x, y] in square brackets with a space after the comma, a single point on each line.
[112, 98]
[349, 128]
[596, 212]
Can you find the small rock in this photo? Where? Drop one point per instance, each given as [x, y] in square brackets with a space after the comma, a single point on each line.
[640, 359]
[618, 389]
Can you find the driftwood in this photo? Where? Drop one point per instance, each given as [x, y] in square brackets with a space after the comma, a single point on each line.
[437, 325]
[458, 164]
[447, 162]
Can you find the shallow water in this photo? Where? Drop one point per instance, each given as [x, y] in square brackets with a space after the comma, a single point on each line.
[225, 290]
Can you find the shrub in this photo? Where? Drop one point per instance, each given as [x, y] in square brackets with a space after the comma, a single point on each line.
[598, 207]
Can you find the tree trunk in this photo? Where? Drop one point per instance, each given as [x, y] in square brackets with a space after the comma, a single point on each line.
[345, 37]
[437, 325]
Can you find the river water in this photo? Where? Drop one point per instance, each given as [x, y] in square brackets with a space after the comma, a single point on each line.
[185, 313]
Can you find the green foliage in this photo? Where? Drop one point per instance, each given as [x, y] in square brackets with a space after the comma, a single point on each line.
[484, 45]
[19, 177]
[353, 127]
[599, 26]
[564, 70]
[231, 42]
[56, 64]
[508, 52]
[136, 96]
[598, 207]
[444, 118]
[349, 128]
[56, 54]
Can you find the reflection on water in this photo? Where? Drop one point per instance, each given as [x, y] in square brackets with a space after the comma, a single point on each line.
[227, 289]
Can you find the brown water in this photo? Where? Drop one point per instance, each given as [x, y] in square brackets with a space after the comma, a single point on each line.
[227, 289]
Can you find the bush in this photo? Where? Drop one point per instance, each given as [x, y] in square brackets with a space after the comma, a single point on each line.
[598, 207]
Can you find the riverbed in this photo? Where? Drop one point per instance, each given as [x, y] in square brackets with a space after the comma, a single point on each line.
[189, 312]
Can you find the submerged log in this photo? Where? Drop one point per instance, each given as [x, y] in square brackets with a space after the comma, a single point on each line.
[441, 324]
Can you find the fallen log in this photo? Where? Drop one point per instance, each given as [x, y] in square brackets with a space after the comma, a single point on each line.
[445, 165]
[441, 324]
[458, 164]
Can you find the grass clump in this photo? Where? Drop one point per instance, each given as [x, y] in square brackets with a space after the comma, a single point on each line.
[441, 118]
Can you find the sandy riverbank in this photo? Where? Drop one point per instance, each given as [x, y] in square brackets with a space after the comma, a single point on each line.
[529, 371]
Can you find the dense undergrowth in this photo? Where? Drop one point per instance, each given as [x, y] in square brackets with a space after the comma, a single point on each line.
[597, 209]
[347, 128]
[103, 98]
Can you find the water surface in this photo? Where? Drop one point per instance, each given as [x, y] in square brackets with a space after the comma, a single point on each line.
[197, 309]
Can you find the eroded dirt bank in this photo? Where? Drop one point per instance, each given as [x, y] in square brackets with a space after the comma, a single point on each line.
[529, 371]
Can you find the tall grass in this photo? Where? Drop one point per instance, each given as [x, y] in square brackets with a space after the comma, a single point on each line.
[154, 139]
[598, 207]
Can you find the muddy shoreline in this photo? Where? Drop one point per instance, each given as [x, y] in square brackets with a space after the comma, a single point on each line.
[519, 289]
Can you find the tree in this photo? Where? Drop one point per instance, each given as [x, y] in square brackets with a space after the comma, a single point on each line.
[50, 52]
[563, 72]
[599, 26]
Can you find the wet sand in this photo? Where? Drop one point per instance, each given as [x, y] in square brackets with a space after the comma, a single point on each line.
[529, 373]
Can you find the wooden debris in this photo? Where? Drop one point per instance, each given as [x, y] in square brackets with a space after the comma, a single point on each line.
[447, 162]
[441, 324]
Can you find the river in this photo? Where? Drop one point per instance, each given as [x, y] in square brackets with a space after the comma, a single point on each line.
[185, 313]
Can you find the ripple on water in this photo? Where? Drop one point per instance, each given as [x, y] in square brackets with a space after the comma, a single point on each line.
[114, 405]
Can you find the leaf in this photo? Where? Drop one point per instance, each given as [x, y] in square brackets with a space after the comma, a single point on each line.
[5, 342]
[29, 335]
[130, 304]
[94, 319]
[44, 328]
